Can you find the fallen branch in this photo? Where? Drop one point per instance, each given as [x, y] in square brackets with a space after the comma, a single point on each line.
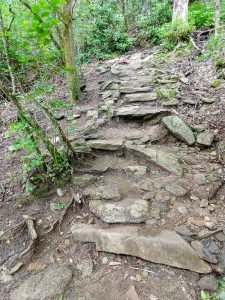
[193, 43]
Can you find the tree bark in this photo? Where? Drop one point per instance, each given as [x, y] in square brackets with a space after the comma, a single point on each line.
[6, 50]
[180, 10]
[217, 17]
[69, 51]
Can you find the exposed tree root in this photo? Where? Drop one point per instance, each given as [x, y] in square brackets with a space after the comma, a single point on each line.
[75, 198]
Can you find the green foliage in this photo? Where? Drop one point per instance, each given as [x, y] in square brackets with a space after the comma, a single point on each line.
[148, 26]
[171, 34]
[101, 31]
[218, 295]
[202, 13]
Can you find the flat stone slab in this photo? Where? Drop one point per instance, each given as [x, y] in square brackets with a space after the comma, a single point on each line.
[137, 111]
[44, 286]
[179, 129]
[125, 211]
[166, 160]
[111, 145]
[140, 97]
[166, 247]
[106, 192]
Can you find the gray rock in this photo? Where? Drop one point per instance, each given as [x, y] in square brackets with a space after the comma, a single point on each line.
[222, 260]
[211, 246]
[220, 236]
[210, 225]
[208, 283]
[179, 129]
[205, 138]
[184, 230]
[166, 247]
[132, 90]
[138, 171]
[163, 159]
[140, 97]
[45, 286]
[200, 179]
[125, 211]
[137, 111]
[85, 267]
[208, 256]
[84, 180]
[202, 194]
[106, 192]
[110, 145]
[162, 206]
[176, 190]
[203, 252]
[204, 203]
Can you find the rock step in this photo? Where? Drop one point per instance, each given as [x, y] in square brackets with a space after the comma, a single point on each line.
[124, 211]
[166, 247]
[166, 160]
[139, 111]
[140, 97]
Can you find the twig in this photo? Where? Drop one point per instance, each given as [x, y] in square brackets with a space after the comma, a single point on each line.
[143, 270]
[193, 43]
[211, 233]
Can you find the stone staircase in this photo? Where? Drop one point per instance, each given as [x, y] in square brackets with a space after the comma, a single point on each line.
[157, 170]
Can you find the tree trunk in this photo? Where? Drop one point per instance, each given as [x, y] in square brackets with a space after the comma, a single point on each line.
[57, 157]
[6, 50]
[217, 17]
[69, 51]
[180, 10]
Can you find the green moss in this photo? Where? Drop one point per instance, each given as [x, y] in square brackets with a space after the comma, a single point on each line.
[216, 83]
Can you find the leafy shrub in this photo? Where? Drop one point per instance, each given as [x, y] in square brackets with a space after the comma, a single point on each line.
[148, 26]
[105, 33]
[201, 14]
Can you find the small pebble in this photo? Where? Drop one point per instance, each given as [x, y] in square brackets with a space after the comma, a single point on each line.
[138, 278]
[60, 192]
[210, 225]
[105, 260]
[204, 203]
[144, 273]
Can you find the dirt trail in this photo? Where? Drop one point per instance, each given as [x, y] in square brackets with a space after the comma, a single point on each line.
[155, 164]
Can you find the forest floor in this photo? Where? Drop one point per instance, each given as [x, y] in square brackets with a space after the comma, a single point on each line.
[143, 171]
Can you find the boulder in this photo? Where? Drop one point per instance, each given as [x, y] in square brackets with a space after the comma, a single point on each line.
[179, 129]
[165, 247]
[125, 211]
[45, 286]
[166, 160]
